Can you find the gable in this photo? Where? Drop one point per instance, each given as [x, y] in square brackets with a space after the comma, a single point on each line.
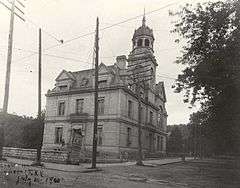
[64, 75]
[103, 69]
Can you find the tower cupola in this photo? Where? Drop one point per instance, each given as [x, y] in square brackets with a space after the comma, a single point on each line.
[143, 37]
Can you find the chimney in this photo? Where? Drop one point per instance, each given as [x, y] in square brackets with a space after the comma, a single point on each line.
[121, 61]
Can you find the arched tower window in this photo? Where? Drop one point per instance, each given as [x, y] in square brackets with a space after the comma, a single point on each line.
[147, 42]
[152, 71]
[161, 109]
[140, 42]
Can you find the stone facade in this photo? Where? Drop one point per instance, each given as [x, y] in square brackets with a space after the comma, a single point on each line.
[70, 107]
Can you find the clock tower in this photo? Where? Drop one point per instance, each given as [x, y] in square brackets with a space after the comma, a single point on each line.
[142, 51]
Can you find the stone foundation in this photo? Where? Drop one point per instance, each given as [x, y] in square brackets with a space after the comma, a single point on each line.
[30, 154]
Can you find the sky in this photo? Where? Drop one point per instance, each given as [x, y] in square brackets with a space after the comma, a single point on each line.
[67, 20]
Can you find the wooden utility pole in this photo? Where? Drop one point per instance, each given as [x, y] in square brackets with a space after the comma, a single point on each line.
[139, 74]
[39, 93]
[139, 160]
[9, 59]
[94, 148]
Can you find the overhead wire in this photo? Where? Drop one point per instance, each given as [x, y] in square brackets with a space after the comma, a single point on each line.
[102, 29]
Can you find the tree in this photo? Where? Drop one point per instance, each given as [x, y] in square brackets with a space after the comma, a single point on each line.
[211, 54]
[175, 141]
[21, 132]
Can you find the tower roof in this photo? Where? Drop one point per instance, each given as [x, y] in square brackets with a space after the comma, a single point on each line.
[143, 29]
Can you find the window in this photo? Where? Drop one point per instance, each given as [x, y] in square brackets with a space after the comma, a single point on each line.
[63, 87]
[99, 135]
[101, 106]
[79, 106]
[151, 117]
[102, 83]
[161, 143]
[142, 114]
[139, 42]
[161, 109]
[129, 130]
[61, 108]
[58, 135]
[160, 121]
[158, 143]
[147, 42]
[130, 109]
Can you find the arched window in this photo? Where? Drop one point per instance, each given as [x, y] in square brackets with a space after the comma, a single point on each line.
[139, 42]
[147, 42]
[152, 71]
[161, 109]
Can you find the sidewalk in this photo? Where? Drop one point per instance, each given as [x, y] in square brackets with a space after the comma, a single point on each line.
[83, 167]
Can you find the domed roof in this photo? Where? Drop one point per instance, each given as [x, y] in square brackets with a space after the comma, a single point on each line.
[143, 30]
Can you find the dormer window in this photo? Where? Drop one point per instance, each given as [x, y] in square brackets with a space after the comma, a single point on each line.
[63, 87]
[140, 42]
[102, 83]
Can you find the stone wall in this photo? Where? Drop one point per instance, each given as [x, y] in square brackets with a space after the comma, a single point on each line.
[47, 155]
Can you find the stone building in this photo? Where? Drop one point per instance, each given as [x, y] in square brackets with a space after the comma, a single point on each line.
[70, 107]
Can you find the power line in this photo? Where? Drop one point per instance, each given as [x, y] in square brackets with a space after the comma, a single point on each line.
[104, 28]
[136, 17]
[56, 56]
[14, 12]
[44, 30]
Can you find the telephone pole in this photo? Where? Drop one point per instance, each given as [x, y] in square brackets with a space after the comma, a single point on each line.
[10, 44]
[139, 74]
[38, 162]
[139, 160]
[94, 148]
[9, 59]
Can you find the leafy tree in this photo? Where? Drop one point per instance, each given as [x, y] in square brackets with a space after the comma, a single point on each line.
[211, 55]
[21, 132]
[175, 141]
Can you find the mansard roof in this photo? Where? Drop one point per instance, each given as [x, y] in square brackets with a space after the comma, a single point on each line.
[84, 78]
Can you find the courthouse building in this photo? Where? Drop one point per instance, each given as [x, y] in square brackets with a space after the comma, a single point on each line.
[70, 107]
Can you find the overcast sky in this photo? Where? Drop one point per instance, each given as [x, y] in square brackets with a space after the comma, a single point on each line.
[66, 20]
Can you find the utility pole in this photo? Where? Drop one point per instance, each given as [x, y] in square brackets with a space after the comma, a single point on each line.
[94, 148]
[9, 59]
[139, 161]
[10, 44]
[38, 162]
[139, 75]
